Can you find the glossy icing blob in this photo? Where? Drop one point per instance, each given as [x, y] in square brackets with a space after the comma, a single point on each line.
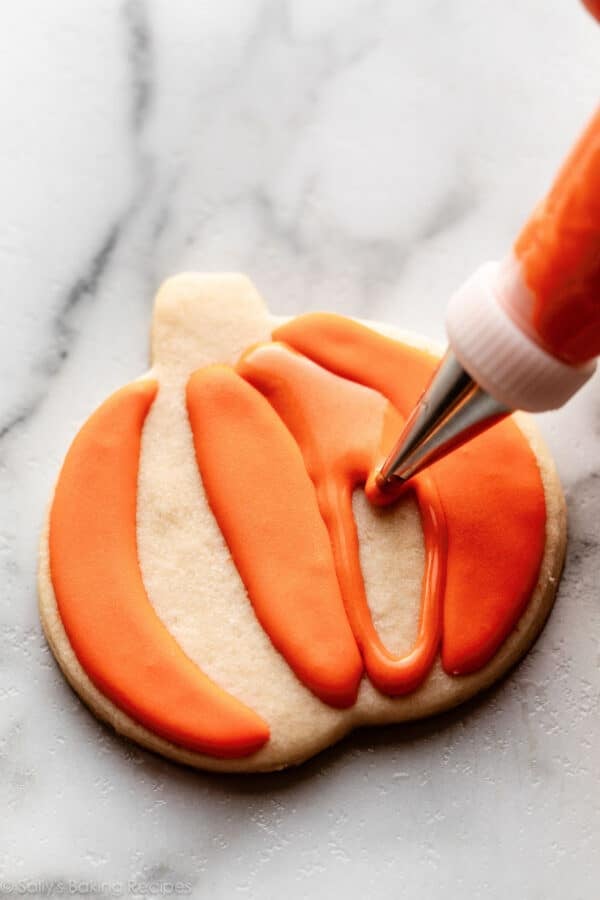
[281, 443]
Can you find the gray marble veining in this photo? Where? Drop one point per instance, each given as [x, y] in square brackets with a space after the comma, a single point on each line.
[361, 156]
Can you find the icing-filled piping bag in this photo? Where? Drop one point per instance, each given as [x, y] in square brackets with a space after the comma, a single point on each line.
[522, 333]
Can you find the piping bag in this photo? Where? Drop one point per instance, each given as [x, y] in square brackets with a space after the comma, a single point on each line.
[523, 333]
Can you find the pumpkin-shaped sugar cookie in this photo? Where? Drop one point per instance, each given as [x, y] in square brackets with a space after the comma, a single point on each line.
[218, 579]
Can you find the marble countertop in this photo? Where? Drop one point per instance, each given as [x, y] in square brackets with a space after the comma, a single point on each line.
[355, 155]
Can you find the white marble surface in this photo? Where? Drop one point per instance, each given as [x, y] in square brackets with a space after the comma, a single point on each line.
[355, 155]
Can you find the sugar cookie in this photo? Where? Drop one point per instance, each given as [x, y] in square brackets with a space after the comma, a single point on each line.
[217, 578]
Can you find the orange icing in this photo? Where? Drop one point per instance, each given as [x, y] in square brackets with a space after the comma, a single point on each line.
[339, 427]
[559, 251]
[490, 490]
[273, 529]
[113, 629]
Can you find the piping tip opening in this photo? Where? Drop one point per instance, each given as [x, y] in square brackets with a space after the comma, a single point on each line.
[386, 484]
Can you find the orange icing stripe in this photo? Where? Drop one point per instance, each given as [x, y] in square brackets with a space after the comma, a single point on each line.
[260, 492]
[339, 427]
[491, 491]
[559, 250]
[113, 629]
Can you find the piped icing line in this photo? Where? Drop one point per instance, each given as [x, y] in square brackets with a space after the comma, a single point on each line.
[491, 491]
[342, 429]
[265, 505]
[115, 633]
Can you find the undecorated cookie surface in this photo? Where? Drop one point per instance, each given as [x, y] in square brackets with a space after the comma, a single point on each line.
[221, 581]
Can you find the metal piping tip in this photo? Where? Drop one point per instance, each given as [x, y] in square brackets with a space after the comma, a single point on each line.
[452, 410]
[385, 484]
